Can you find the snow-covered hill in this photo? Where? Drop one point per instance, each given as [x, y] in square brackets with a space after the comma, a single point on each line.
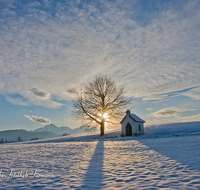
[172, 130]
[154, 131]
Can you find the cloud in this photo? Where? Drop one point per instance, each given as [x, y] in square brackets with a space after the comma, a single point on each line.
[160, 97]
[168, 112]
[194, 93]
[70, 93]
[149, 109]
[65, 48]
[17, 101]
[191, 118]
[31, 99]
[72, 90]
[40, 93]
[47, 103]
[38, 119]
[41, 98]
[43, 102]
[7, 1]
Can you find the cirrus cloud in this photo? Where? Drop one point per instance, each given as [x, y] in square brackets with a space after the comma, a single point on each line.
[168, 112]
[59, 51]
[193, 93]
[17, 101]
[191, 118]
[160, 97]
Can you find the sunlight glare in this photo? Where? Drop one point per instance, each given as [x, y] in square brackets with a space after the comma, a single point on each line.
[105, 115]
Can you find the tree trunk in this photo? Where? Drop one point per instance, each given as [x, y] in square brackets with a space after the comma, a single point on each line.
[102, 127]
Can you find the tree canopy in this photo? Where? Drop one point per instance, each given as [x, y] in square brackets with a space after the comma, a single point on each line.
[100, 102]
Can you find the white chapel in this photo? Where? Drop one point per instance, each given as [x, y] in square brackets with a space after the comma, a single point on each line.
[132, 124]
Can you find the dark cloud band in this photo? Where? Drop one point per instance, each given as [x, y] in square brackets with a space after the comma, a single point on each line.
[39, 93]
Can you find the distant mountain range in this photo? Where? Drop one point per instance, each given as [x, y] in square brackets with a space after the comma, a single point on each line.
[48, 131]
[61, 130]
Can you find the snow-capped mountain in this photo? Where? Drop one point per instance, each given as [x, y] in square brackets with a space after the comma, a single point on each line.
[54, 129]
[13, 135]
[48, 131]
[61, 130]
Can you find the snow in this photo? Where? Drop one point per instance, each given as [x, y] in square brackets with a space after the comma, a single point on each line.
[173, 129]
[136, 118]
[78, 137]
[155, 160]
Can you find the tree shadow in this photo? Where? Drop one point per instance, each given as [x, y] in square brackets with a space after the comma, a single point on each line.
[94, 176]
[183, 150]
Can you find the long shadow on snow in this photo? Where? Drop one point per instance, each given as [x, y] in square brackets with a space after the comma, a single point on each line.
[185, 150]
[94, 175]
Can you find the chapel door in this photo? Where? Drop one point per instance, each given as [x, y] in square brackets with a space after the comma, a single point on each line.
[128, 130]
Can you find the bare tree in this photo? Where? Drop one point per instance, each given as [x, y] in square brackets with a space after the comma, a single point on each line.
[100, 102]
[19, 138]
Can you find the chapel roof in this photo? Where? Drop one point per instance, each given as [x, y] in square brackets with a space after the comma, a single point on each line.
[136, 118]
[133, 117]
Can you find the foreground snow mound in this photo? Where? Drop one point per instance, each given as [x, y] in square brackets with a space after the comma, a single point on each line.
[124, 163]
[159, 163]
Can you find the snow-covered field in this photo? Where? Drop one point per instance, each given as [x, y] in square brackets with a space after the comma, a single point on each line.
[155, 160]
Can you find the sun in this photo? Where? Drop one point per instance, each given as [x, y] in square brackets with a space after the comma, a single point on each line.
[105, 115]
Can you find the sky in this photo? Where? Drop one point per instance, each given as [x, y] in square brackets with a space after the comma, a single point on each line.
[50, 48]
